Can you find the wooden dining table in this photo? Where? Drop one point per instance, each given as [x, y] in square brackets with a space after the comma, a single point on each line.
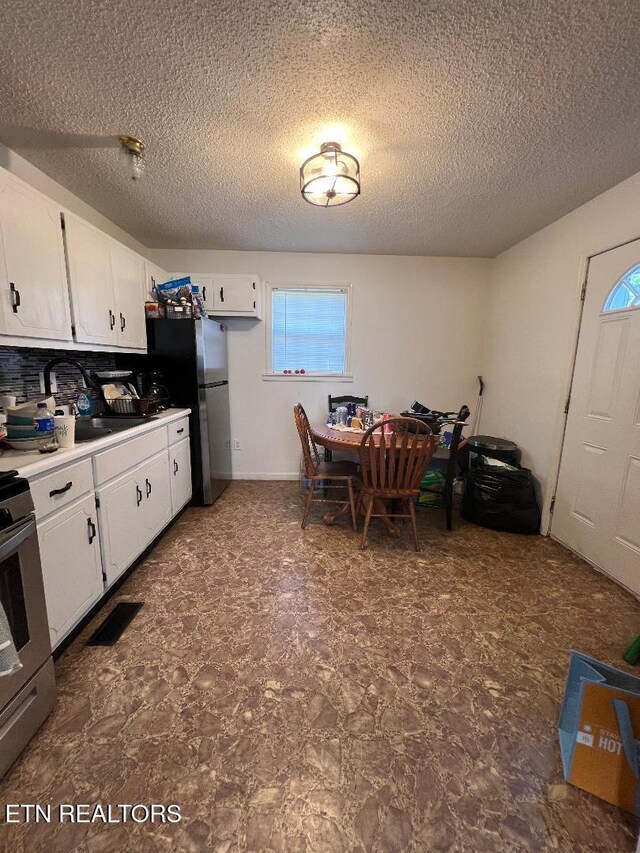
[347, 441]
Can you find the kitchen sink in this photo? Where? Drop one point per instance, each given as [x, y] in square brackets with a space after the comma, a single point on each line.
[90, 429]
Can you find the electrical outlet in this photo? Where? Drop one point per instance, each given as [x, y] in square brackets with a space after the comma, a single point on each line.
[54, 382]
[236, 444]
[227, 444]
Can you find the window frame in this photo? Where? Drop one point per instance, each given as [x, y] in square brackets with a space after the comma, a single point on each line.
[268, 373]
[622, 281]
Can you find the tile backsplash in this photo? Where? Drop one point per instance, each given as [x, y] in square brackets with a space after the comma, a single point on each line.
[20, 371]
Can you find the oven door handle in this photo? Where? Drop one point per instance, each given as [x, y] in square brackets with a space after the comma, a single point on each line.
[14, 536]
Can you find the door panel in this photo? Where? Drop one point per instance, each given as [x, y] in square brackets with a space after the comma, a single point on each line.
[607, 366]
[129, 283]
[33, 278]
[219, 428]
[92, 293]
[597, 506]
[71, 566]
[180, 473]
[592, 471]
[628, 521]
[205, 283]
[121, 524]
[154, 479]
[234, 293]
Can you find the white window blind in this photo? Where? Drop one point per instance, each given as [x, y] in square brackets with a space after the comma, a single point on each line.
[309, 329]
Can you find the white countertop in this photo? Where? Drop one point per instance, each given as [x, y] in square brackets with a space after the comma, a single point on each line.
[33, 463]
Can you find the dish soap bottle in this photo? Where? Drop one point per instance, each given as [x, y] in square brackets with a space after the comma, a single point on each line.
[43, 422]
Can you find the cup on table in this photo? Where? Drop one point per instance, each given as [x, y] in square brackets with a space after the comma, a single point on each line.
[65, 430]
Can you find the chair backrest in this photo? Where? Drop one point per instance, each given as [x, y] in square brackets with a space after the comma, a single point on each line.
[395, 462]
[310, 456]
[456, 435]
[334, 402]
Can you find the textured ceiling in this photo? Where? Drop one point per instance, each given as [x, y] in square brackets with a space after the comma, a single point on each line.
[476, 122]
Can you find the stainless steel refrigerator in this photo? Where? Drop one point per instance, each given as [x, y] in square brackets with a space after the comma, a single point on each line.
[192, 356]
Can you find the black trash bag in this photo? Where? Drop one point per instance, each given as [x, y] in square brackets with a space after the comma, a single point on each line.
[501, 499]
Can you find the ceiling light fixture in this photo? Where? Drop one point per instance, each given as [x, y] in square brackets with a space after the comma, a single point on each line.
[134, 151]
[331, 177]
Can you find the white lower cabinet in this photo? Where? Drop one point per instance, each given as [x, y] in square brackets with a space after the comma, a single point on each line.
[95, 516]
[120, 522]
[157, 510]
[71, 565]
[180, 474]
[132, 511]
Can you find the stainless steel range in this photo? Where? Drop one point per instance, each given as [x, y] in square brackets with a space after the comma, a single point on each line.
[27, 695]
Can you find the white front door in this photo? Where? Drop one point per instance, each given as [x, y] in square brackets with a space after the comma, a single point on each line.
[597, 506]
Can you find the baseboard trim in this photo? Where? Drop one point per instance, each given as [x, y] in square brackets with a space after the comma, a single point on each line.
[264, 475]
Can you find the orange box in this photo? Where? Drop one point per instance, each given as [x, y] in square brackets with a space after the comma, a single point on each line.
[599, 718]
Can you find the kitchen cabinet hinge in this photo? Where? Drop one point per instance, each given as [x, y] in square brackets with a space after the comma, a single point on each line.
[566, 405]
[553, 505]
[104, 577]
[97, 502]
[62, 221]
[254, 303]
[583, 292]
[254, 285]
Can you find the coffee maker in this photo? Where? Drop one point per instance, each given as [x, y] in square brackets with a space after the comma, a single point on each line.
[150, 385]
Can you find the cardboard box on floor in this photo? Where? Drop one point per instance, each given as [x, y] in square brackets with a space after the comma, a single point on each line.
[600, 713]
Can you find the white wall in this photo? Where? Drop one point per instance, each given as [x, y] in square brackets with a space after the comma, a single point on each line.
[416, 334]
[531, 325]
[27, 172]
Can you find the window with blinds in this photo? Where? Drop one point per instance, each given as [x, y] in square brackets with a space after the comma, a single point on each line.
[309, 329]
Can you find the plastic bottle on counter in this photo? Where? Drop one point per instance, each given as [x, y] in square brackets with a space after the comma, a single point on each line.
[44, 421]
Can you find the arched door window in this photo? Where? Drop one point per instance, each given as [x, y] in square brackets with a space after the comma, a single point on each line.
[625, 292]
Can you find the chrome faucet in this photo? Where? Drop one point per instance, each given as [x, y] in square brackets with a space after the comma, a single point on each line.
[46, 373]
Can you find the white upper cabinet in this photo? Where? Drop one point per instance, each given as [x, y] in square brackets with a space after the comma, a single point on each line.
[33, 283]
[107, 283]
[205, 283]
[155, 275]
[129, 279]
[95, 314]
[235, 296]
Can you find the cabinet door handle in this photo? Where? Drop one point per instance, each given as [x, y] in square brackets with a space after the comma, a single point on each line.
[62, 490]
[138, 495]
[148, 487]
[91, 529]
[204, 293]
[112, 319]
[123, 322]
[180, 431]
[15, 297]
[222, 294]
[176, 467]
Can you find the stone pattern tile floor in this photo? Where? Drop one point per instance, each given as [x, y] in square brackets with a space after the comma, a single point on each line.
[291, 693]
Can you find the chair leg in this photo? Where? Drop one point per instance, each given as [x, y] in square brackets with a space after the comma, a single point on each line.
[367, 519]
[412, 513]
[352, 505]
[307, 505]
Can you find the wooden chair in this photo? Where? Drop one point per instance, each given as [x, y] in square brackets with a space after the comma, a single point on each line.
[323, 475]
[451, 466]
[334, 402]
[391, 467]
